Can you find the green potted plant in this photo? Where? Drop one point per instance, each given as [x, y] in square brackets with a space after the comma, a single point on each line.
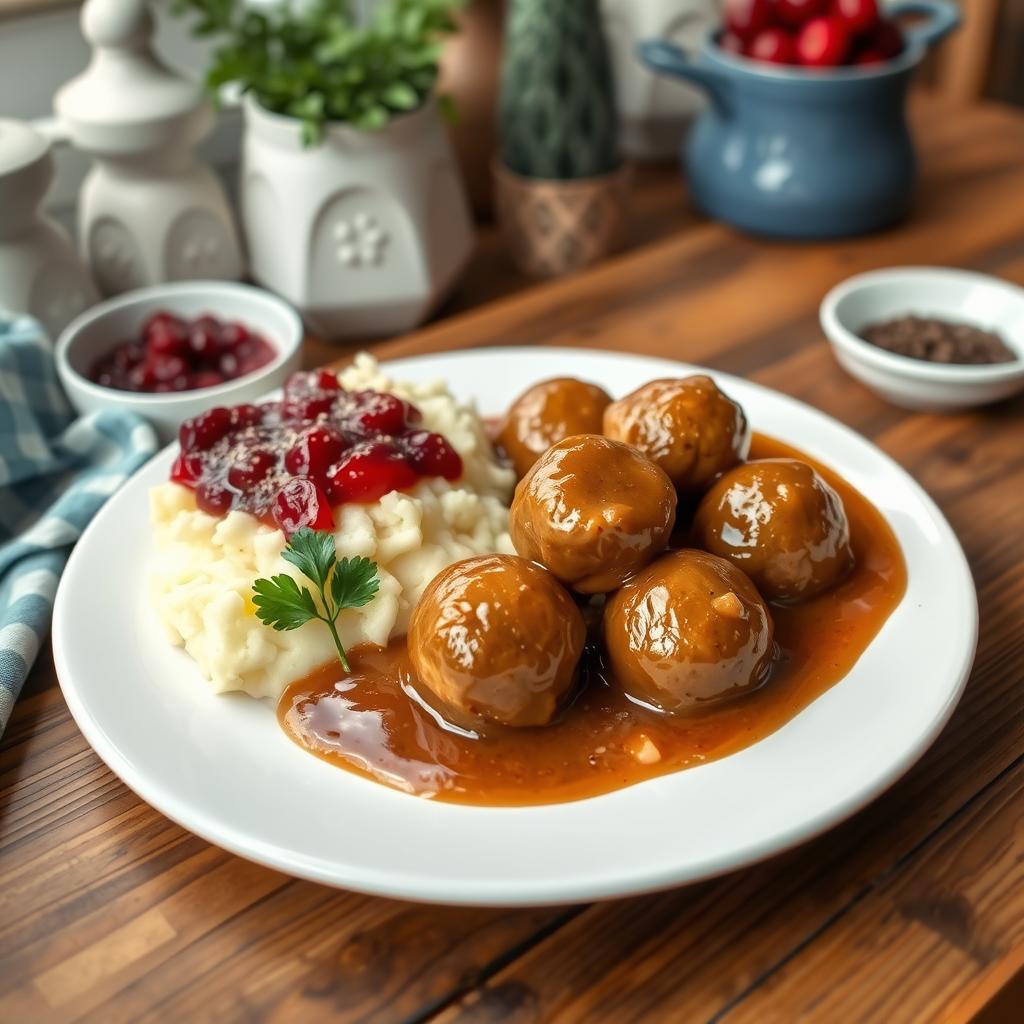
[351, 200]
[561, 183]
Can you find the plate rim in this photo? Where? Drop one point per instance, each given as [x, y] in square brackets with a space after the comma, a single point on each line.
[519, 892]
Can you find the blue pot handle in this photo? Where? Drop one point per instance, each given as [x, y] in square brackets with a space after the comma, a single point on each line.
[670, 60]
[941, 17]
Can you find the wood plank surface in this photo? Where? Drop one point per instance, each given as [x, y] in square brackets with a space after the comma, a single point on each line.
[911, 910]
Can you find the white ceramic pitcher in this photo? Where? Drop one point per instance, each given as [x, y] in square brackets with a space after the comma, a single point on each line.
[40, 273]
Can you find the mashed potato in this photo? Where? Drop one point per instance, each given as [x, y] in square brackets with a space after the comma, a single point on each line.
[202, 574]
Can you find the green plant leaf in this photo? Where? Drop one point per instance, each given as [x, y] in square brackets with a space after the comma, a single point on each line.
[355, 583]
[280, 603]
[312, 553]
[312, 61]
[401, 96]
[311, 133]
[373, 118]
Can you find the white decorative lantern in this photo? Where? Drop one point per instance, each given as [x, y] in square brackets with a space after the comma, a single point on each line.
[149, 210]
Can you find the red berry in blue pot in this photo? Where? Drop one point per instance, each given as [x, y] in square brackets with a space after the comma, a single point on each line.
[886, 38]
[858, 15]
[774, 46]
[745, 18]
[797, 12]
[867, 56]
[823, 43]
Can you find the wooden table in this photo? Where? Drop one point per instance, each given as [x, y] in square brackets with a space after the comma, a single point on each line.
[912, 910]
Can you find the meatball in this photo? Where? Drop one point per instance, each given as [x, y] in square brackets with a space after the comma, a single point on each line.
[778, 521]
[688, 427]
[593, 511]
[689, 630]
[495, 639]
[547, 413]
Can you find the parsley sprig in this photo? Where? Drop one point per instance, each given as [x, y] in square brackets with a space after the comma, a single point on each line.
[282, 604]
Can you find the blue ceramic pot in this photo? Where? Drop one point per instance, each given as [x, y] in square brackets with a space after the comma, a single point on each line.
[800, 153]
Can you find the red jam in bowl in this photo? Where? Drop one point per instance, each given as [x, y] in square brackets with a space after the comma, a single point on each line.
[182, 355]
[291, 462]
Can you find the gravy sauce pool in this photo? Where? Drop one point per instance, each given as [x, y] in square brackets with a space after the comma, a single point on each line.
[371, 721]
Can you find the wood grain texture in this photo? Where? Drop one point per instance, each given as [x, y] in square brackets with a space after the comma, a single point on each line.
[1005, 73]
[911, 910]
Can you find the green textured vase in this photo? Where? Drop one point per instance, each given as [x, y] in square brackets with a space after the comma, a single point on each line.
[557, 111]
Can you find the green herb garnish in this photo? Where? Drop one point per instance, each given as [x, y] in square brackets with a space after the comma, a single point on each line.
[281, 603]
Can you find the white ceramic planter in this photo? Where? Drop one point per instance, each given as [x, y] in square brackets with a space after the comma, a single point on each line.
[654, 111]
[150, 211]
[364, 233]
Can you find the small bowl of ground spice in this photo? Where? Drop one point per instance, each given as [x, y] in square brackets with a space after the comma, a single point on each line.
[929, 338]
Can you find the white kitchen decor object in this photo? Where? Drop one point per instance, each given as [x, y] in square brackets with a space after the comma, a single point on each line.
[364, 231]
[149, 211]
[40, 272]
[654, 111]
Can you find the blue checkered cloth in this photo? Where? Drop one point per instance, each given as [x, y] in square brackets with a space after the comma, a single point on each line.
[55, 473]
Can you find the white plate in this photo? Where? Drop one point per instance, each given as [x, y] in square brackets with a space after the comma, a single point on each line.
[221, 767]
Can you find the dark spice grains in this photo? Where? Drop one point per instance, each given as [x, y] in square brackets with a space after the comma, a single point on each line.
[939, 341]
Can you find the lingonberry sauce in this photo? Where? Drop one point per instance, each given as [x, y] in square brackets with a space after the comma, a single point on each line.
[172, 354]
[291, 462]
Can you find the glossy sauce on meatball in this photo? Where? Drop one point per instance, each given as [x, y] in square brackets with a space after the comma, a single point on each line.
[593, 511]
[370, 720]
[688, 631]
[548, 413]
[496, 640]
[687, 426]
[782, 524]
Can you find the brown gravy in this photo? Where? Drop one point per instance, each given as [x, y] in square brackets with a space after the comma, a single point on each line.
[370, 722]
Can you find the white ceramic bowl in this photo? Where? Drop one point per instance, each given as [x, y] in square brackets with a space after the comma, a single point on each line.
[955, 295]
[100, 328]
